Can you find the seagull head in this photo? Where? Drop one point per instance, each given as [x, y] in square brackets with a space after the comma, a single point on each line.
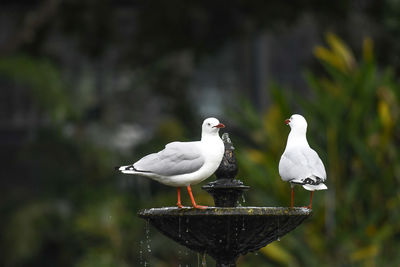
[297, 122]
[211, 126]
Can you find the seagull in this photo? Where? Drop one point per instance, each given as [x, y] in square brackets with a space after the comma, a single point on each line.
[183, 163]
[299, 163]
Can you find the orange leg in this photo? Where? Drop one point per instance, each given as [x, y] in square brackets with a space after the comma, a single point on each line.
[192, 198]
[312, 193]
[291, 200]
[179, 197]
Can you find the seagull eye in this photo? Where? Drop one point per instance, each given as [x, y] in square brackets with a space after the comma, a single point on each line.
[208, 124]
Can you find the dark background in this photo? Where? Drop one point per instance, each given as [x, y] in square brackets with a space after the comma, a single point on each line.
[88, 85]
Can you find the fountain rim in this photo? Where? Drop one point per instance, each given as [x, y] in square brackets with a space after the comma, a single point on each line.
[225, 211]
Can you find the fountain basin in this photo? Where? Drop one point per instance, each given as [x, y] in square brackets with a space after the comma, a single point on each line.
[225, 233]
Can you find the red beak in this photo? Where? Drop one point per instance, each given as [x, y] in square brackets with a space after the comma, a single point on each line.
[287, 121]
[219, 126]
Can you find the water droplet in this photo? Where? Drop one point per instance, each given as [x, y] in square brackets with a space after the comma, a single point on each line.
[244, 200]
[148, 240]
[279, 239]
[179, 227]
[220, 241]
[278, 230]
[141, 252]
[203, 261]
[147, 226]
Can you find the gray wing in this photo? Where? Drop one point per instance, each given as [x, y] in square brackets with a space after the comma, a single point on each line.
[177, 158]
[317, 166]
[299, 164]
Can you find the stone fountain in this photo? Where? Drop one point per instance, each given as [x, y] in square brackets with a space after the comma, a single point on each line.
[225, 231]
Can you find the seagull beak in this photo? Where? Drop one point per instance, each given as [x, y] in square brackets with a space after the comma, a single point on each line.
[219, 126]
[287, 122]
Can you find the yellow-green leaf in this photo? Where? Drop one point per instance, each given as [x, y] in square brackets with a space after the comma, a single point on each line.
[364, 253]
[277, 253]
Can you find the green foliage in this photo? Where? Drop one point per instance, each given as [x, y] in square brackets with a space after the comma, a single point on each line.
[72, 210]
[42, 78]
[357, 106]
[353, 116]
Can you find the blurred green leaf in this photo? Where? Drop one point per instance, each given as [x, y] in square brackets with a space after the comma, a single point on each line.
[42, 79]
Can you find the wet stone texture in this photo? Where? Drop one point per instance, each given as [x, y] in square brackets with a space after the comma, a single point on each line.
[225, 233]
[226, 194]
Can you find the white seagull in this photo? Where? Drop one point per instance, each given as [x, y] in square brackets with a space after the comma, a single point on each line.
[183, 163]
[299, 163]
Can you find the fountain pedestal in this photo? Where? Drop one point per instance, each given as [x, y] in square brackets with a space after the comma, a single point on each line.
[226, 231]
[226, 190]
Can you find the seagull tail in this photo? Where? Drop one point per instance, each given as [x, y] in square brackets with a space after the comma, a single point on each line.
[310, 187]
[297, 182]
[126, 169]
[130, 169]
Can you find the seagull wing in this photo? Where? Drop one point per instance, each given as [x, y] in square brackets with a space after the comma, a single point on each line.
[315, 163]
[301, 163]
[177, 158]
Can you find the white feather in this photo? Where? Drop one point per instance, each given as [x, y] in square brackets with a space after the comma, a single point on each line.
[183, 163]
[299, 163]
